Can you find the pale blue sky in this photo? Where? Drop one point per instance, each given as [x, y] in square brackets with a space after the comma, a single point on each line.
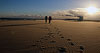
[19, 7]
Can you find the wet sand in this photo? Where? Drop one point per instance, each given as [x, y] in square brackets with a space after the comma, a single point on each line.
[29, 36]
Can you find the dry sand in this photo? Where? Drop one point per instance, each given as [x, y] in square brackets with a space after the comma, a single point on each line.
[29, 36]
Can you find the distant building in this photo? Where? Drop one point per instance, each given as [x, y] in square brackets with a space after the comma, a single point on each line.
[80, 18]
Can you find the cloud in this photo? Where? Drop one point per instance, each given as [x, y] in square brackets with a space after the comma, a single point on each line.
[73, 12]
[76, 12]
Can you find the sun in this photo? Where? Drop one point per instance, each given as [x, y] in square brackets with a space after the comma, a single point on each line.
[92, 10]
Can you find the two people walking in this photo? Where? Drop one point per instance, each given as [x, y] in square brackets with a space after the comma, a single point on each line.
[48, 18]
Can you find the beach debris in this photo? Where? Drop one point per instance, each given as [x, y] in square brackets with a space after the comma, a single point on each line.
[62, 49]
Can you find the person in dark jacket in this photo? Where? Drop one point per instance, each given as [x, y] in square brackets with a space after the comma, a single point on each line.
[46, 19]
[50, 18]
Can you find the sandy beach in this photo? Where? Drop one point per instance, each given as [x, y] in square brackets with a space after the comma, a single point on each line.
[35, 36]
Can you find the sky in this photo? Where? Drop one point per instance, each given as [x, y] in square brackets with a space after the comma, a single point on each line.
[41, 7]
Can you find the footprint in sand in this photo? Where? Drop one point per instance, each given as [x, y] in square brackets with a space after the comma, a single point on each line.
[68, 39]
[38, 41]
[61, 49]
[52, 41]
[43, 48]
[56, 28]
[81, 47]
[45, 28]
[71, 43]
[34, 45]
[52, 47]
[50, 33]
[62, 37]
[46, 37]
[60, 34]
[41, 38]
[58, 31]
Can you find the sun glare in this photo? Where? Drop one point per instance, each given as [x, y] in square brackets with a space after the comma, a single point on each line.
[92, 10]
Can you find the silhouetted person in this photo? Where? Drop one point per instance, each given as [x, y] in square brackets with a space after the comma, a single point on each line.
[50, 18]
[46, 19]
